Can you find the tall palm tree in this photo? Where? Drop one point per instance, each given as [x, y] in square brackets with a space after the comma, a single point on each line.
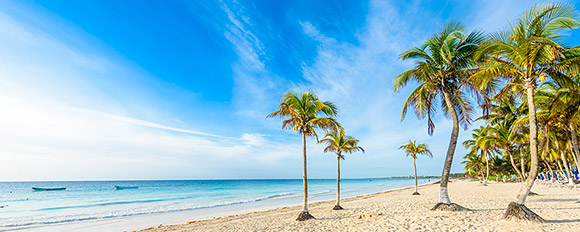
[303, 113]
[412, 149]
[521, 57]
[338, 142]
[443, 63]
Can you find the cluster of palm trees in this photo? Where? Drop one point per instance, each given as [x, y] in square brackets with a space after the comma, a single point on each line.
[526, 81]
[304, 112]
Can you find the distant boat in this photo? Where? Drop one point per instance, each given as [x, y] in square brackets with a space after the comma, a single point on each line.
[47, 189]
[125, 187]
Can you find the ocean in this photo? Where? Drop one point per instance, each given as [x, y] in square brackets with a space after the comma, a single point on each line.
[21, 208]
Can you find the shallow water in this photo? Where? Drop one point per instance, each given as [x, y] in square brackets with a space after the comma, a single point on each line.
[98, 200]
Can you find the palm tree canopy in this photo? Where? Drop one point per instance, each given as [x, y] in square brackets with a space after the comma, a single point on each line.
[412, 149]
[338, 142]
[443, 63]
[304, 112]
[483, 140]
[473, 164]
[530, 50]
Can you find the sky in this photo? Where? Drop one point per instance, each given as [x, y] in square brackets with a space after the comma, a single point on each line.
[178, 89]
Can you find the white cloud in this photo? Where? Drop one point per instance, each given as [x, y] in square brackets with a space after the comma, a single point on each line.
[150, 124]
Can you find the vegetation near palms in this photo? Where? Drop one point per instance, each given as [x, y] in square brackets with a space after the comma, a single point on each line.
[561, 109]
[303, 112]
[485, 143]
[412, 149]
[529, 52]
[506, 137]
[473, 165]
[338, 142]
[442, 64]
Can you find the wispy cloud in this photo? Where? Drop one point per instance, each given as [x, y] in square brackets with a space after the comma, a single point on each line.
[139, 122]
[358, 79]
[247, 45]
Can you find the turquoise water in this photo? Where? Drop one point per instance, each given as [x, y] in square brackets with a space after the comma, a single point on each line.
[96, 200]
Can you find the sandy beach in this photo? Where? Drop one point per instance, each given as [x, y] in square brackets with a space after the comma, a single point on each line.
[398, 210]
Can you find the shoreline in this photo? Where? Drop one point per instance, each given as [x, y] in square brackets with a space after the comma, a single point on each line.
[190, 220]
[398, 210]
[218, 216]
[138, 222]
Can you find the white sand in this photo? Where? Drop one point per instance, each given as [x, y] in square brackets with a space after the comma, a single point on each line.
[400, 211]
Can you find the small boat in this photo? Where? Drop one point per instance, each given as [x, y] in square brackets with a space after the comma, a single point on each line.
[48, 189]
[125, 187]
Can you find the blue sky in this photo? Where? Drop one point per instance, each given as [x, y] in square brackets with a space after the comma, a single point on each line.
[180, 89]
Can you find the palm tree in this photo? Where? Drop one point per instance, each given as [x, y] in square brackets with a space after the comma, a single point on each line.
[521, 56]
[501, 121]
[412, 149]
[560, 112]
[562, 103]
[473, 164]
[554, 139]
[500, 166]
[484, 143]
[303, 113]
[443, 63]
[504, 140]
[338, 142]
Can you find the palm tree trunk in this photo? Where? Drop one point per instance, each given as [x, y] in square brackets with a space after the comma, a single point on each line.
[486, 169]
[515, 167]
[551, 171]
[518, 209]
[565, 161]
[527, 186]
[576, 147]
[304, 175]
[415, 168]
[576, 162]
[522, 163]
[337, 206]
[443, 194]
[560, 166]
[304, 215]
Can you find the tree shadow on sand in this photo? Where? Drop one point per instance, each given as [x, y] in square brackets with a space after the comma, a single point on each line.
[555, 200]
[486, 210]
[563, 221]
